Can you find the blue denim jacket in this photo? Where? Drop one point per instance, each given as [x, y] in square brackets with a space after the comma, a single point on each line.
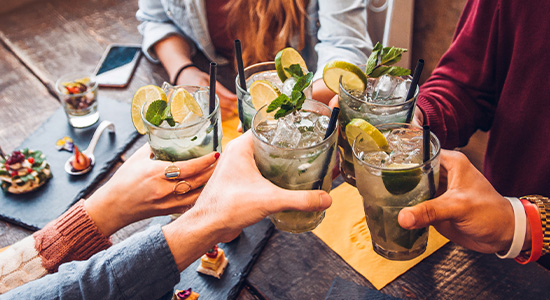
[140, 267]
[337, 30]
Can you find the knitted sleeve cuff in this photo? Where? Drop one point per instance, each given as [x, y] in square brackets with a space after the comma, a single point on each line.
[72, 236]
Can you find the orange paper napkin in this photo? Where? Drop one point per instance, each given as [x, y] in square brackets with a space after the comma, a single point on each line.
[345, 231]
[230, 130]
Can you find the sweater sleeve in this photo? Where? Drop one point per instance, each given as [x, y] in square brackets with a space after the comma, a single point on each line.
[140, 267]
[72, 236]
[461, 94]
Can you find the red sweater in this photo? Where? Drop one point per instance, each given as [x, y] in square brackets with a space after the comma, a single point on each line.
[495, 77]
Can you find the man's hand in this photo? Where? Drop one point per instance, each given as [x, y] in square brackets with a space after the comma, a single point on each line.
[470, 212]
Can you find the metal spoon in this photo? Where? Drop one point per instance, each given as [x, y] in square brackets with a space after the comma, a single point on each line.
[89, 152]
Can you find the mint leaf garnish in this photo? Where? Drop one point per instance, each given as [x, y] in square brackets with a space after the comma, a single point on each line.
[155, 112]
[277, 102]
[399, 71]
[295, 70]
[286, 105]
[391, 55]
[303, 82]
[373, 58]
[381, 59]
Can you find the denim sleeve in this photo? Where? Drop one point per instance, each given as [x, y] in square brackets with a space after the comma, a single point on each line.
[343, 33]
[156, 24]
[141, 267]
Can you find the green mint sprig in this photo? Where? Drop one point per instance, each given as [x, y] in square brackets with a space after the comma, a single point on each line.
[157, 112]
[381, 60]
[287, 105]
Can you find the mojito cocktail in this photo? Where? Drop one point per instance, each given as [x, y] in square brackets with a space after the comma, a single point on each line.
[292, 153]
[267, 74]
[393, 177]
[190, 130]
[383, 101]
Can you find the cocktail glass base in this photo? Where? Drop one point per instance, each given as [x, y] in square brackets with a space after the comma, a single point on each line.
[84, 120]
[399, 255]
[297, 221]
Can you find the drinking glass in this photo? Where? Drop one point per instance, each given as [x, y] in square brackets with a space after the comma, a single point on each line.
[300, 168]
[78, 95]
[259, 71]
[389, 183]
[189, 139]
[353, 105]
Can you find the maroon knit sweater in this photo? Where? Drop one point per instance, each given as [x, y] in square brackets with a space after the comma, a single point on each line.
[496, 76]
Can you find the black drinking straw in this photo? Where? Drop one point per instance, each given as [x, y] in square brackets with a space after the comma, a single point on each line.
[212, 103]
[412, 88]
[427, 150]
[331, 126]
[240, 69]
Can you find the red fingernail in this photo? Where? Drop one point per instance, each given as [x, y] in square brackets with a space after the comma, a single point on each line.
[217, 155]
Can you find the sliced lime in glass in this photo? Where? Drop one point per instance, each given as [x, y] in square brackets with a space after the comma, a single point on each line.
[399, 182]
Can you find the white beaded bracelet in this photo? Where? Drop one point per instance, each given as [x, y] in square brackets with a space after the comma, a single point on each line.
[520, 228]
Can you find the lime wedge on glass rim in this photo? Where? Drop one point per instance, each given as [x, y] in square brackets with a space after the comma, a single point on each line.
[182, 103]
[262, 92]
[352, 76]
[371, 138]
[284, 59]
[145, 95]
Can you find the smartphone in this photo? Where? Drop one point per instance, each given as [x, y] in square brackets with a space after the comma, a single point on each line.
[117, 65]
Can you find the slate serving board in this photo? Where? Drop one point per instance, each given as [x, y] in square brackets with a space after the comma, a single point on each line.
[242, 252]
[35, 209]
[342, 289]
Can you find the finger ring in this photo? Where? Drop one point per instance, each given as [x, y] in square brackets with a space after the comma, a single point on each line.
[181, 187]
[172, 172]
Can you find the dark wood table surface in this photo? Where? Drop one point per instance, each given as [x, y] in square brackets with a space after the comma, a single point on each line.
[45, 39]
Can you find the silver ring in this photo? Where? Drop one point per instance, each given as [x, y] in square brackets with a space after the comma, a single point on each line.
[172, 172]
[178, 190]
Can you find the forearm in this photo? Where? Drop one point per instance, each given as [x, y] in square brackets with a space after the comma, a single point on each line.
[321, 92]
[140, 267]
[190, 236]
[173, 52]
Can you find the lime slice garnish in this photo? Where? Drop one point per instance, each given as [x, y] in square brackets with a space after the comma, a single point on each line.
[371, 138]
[284, 59]
[351, 75]
[262, 92]
[144, 96]
[399, 182]
[182, 103]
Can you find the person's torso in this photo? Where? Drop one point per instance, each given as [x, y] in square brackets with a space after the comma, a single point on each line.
[516, 161]
[192, 18]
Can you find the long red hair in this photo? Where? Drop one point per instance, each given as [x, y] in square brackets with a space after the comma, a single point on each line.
[266, 26]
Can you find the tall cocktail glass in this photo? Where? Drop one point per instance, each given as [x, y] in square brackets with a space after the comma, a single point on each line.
[389, 182]
[357, 105]
[259, 71]
[194, 137]
[296, 157]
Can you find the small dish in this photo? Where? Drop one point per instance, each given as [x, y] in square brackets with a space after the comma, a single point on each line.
[89, 152]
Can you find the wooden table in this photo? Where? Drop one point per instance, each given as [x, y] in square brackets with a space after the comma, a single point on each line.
[44, 39]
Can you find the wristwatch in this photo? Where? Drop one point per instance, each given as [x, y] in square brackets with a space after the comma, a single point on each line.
[543, 204]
